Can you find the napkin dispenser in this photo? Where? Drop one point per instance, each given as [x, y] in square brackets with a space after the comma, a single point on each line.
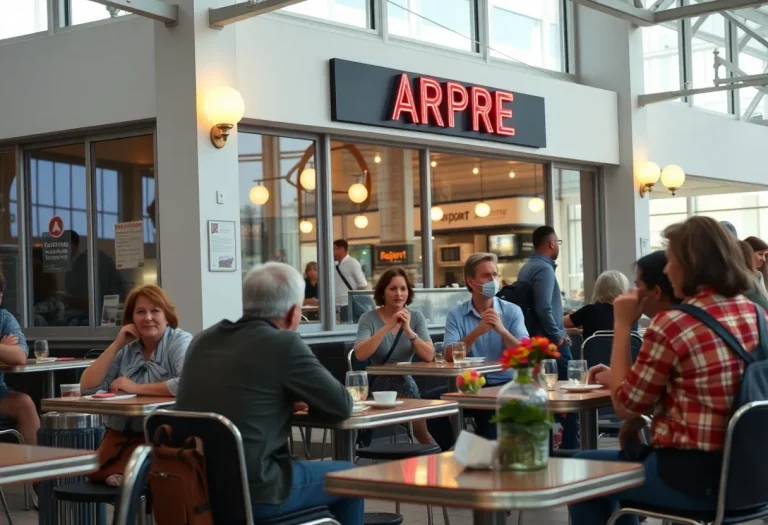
[475, 452]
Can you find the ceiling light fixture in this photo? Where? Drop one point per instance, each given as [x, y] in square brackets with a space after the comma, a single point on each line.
[361, 221]
[258, 195]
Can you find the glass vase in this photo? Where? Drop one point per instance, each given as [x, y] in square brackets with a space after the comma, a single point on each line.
[523, 423]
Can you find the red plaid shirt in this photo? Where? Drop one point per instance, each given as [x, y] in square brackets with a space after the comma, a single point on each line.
[688, 375]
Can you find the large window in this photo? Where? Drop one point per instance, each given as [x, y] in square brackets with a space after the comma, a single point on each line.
[9, 232]
[83, 11]
[753, 60]
[22, 17]
[528, 32]
[278, 184]
[661, 58]
[709, 34]
[355, 13]
[448, 23]
[569, 226]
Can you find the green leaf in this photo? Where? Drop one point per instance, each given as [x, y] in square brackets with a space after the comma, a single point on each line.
[522, 414]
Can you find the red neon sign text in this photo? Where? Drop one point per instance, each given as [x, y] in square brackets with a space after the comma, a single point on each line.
[438, 104]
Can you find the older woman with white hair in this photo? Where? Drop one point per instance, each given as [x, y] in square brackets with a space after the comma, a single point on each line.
[599, 315]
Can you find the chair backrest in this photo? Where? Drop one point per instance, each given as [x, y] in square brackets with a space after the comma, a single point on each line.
[744, 476]
[134, 485]
[354, 364]
[224, 459]
[93, 353]
[334, 357]
[596, 348]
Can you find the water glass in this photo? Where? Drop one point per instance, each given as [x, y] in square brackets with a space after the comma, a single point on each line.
[549, 373]
[357, 386]
[440, 354]
[459, 353]
[41, 349]
[577, 371]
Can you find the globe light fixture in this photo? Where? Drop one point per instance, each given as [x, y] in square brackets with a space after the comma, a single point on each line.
[361, 221]
[672, 177]
[433, 163]
[512, 174]
[259, 195]
[308, 179]
[482, 209]
[377, 159]
[358, 193]
[436, 213]
[475, 170]
[224, 107]
[647, 175]
[306, 227]
[536, 204]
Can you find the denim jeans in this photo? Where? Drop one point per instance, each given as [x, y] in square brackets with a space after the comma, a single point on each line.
[308, 491]
[653, 492]
[570, 422]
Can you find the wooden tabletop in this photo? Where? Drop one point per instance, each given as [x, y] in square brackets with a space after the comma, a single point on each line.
[33, 366]
[134, 407]
[376, 417]
[441, 480]
[431, 369]
[559, 400]
[26, 463]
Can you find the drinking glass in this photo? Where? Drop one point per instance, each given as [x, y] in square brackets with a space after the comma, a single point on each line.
[577, 371]
[357, 386]
[41, 349]
[549, 373]
[459, 353]
[440, 354]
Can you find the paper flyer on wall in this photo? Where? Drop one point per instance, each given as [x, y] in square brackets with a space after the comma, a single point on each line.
[109, 310]
[129, 245]
[222, 255]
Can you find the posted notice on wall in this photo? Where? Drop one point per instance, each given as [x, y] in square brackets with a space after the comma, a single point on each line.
[129, 245]
[109, 310]
[57, 253]
[222, 254]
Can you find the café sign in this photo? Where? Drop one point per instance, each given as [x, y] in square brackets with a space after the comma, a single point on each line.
[394, 254]
[377, 96]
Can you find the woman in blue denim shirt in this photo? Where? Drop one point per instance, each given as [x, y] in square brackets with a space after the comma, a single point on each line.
[146, 359]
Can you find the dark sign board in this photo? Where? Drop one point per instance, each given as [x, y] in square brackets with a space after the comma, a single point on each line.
[57, 253]
[378, 96]
[394, 254]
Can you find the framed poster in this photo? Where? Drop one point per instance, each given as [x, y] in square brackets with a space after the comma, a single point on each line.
[222, 247]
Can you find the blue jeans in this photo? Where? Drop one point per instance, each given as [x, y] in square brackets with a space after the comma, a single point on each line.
[570, 422]
[653, 492]
[308, 491]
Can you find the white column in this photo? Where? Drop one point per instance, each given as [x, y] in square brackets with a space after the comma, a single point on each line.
[610, 56]
[190, 59]
[393, 181]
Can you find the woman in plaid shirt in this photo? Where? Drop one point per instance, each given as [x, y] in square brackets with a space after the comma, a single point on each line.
[685, 376]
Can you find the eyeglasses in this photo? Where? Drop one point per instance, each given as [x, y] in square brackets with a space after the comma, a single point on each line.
[559, 242]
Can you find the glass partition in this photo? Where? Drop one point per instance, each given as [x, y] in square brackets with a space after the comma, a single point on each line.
[9, 234]
[434, 303]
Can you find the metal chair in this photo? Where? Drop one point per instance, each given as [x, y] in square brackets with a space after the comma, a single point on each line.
[12, 435]
[228, 488]
[743, 491]
[131, 503]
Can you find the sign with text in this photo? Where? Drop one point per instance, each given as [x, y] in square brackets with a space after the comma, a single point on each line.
[57, 253]
[378, 96]
[394, 254]
[129, 245]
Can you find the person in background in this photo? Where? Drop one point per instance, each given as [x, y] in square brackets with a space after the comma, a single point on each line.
[310, 284]
[14, 351]
[656, 291]
[539, 272]
[756, 292]
[760, 247]
[146, 358]
[599, 315]
[685, 375]
[349, 276]
[730, 227]
[256, 372]
[379, 338]
[486, 324]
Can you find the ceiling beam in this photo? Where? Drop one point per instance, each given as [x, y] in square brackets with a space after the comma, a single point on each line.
[154, 9]
[660, 5]
[704, 8]
[222, 16]
[619, 9]
[748, 30]
[737, 83]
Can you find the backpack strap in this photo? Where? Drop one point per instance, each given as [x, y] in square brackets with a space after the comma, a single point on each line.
[727, 337]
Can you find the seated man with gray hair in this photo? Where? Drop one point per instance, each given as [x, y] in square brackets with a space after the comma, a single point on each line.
[255, 371]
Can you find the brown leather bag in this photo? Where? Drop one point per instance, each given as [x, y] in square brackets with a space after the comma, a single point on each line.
[178, 482]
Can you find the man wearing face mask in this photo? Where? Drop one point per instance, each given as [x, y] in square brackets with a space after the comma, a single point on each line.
[256, 371]
[486, 324]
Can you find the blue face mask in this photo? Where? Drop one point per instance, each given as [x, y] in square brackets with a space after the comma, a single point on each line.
[490, 289]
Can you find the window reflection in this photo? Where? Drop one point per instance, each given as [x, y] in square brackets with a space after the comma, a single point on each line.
[349, 12]
[568, 224]
[661, 58]
[9, 231]
[447, 23]
[708, 37]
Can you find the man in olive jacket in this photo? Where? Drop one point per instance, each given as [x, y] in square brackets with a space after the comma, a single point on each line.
[254, 372]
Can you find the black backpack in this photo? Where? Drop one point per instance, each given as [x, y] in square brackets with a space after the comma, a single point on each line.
[754, 382]
[521, 294]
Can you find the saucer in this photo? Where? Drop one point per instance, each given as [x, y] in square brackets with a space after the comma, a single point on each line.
[376, 404]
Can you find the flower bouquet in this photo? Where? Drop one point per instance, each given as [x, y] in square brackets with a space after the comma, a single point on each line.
[469, 382]
[522, 414]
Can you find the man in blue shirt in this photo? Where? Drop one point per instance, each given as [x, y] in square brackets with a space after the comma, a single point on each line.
[539, 271]
[486, 324]
[14, 351]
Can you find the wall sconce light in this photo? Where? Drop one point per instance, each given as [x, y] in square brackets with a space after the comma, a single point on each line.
[648, 174]
[672, 177]
[512, 174]
[377, 159]
[224, 107]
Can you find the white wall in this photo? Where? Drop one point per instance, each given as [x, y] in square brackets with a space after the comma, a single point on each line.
[283, 75]
[82, 77]
[706, 144]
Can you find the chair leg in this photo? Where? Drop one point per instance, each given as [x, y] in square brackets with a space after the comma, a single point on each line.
[430, 517]
[446, 519]
[397, 507]
[520, 517]
[322, 447]
[5, 507]
[307, 454]
[26, 497]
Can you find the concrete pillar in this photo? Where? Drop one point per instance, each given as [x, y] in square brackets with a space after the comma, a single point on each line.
[190, 59]
[393, 183]
[610, 56]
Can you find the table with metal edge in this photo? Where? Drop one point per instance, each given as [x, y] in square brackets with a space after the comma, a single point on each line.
[343, 432]
[138, 406]
[585, 404]
[27, 463]
[49, 369]
[440, 480]
[432, 369]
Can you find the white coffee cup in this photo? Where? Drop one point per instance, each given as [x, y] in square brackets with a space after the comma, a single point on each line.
[386, 398]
